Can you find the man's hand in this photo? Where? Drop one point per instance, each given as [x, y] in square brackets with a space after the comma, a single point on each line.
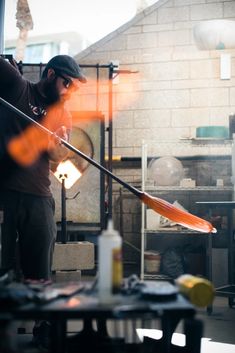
[57, 151]
[55, 139]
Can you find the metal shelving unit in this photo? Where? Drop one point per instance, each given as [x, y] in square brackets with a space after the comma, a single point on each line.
[200, 193]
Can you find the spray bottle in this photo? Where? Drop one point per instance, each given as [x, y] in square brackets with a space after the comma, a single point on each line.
[109, 263]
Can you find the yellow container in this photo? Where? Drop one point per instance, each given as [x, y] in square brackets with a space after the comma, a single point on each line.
[198, 290]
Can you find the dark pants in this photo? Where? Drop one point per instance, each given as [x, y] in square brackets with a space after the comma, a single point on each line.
[28, 220]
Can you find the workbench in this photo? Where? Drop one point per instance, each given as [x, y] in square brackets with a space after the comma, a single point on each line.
[82, 303]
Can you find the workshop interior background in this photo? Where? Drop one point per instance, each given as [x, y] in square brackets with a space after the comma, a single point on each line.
[172, 88]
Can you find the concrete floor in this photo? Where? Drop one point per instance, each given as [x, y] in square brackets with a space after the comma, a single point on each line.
[218, 333]
[219, 326]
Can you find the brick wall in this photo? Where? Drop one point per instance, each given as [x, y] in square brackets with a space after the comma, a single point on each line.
[177, 88]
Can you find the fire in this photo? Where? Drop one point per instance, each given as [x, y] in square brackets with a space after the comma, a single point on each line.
[73, 302]
[66, 170]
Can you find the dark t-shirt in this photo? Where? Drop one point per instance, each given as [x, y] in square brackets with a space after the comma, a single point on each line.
[25, 96]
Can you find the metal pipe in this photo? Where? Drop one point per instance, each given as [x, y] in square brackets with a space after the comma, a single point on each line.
[110, 141]
[2, 15]
[63, 211]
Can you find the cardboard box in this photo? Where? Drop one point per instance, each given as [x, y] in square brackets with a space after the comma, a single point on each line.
[188, 183]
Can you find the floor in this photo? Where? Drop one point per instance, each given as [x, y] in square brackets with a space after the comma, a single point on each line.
[219, 326]
[218, 335]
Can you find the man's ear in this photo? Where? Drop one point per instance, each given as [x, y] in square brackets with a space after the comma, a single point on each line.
[50, 73]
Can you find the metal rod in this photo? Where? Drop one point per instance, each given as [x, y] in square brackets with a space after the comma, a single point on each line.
[2, 13]
[110, 140]
[64, 237]
[81, 65]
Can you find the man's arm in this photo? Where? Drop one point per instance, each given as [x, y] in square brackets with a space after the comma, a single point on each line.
[9, 75]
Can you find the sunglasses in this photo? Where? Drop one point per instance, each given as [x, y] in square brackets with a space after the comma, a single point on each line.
[67, 82]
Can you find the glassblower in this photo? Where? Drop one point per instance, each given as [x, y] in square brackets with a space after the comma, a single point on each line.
[21, 152]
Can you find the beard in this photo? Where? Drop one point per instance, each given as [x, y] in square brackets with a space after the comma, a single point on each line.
[51, 91]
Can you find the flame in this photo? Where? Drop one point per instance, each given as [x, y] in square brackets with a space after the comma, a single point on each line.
[177, 215]
[69, 172]
[73, 302]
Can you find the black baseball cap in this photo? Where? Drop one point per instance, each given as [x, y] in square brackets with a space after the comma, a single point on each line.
[67, 65]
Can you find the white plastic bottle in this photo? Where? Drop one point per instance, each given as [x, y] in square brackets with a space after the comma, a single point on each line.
[109, 263]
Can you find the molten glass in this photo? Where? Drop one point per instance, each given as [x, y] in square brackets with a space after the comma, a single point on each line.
[177, 215]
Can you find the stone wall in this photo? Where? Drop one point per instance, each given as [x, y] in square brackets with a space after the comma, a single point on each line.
[177, 87]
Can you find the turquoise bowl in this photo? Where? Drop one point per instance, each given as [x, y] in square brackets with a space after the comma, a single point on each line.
[212, 132]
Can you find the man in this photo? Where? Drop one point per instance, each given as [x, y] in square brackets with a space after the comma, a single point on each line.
[25, 198]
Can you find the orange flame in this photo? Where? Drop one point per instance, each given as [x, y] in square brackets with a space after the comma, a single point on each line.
[69, 172]
[177, 215]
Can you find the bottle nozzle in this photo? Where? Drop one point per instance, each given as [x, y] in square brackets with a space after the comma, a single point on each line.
[110, 224]
[110, 229]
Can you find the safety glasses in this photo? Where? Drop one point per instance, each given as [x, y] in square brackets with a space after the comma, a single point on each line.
[67, 82]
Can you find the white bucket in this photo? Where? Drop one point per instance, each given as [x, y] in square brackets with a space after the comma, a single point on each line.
[152, 261]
